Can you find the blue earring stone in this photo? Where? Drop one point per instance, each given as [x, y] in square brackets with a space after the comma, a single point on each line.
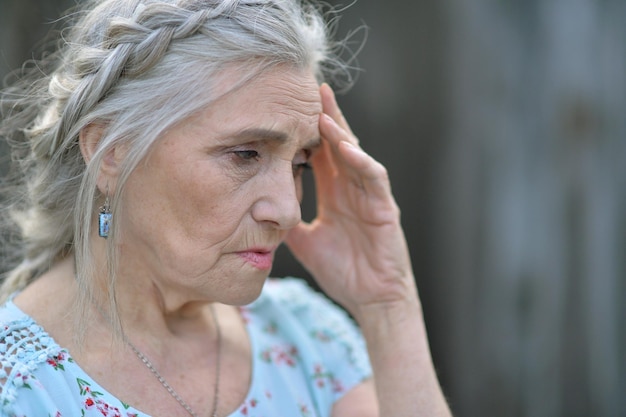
[104, 223]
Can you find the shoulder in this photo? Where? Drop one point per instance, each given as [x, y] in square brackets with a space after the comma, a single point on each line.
[296, 296]
[21, 338]
[24, 347]
[323, 332]
[292, 293]
[294, 299]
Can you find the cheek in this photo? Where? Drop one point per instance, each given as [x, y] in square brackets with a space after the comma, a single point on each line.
[207, 207]
[176, 204]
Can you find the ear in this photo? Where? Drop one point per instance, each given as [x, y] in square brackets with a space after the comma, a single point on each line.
[88, 140]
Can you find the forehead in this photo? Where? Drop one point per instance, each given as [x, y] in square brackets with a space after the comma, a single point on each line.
[281, 87]
[283, 100]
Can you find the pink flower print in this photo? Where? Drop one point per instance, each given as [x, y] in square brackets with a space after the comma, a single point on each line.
[91, 400]
[251, 403]
[271, 328]
[337, 385]
[107, 410]
[289, 357]
[322, 377]
[304, 410]
[268, 395]
[322, 336]
[52, 362]
[318, 375]
[56, 361]
[278, 355]
[22, 380]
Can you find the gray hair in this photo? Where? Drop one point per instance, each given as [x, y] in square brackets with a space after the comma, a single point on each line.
[137, 68]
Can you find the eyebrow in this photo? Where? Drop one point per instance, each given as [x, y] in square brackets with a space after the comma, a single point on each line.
[272, 135]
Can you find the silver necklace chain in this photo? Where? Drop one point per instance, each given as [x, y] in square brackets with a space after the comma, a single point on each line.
[171, 390]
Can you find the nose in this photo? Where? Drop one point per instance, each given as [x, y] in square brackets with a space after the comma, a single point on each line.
[279, 202]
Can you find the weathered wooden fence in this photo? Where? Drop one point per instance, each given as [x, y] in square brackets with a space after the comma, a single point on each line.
[533, 208]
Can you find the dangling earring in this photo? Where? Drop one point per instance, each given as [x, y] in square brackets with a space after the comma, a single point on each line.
[104, 217]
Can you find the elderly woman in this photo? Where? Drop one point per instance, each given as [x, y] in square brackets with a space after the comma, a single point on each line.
[160, 154]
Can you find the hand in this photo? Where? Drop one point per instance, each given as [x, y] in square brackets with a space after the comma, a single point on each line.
[355, 247]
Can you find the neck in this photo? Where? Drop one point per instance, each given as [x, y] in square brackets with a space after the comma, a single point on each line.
[142, 304]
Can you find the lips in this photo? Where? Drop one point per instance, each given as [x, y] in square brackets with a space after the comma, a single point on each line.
[258, 258]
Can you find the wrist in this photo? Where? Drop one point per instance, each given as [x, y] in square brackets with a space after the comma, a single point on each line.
[384, 319]
[405, 377]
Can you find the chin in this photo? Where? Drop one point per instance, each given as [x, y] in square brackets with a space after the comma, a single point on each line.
[244, 295]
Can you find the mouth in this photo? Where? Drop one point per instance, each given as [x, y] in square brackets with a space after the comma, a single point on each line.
[259, 258]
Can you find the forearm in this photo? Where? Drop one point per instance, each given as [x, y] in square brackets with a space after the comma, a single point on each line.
[406, 382]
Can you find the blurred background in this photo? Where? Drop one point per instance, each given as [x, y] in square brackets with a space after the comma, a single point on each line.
[503, 126]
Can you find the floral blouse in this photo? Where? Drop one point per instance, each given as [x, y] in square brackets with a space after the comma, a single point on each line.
[307, 353]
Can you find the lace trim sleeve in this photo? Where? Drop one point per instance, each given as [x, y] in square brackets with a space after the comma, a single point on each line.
[23, 347]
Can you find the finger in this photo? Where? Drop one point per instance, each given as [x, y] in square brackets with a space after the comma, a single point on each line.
[334, 134]
[352, 162]
[324, 171]
[330, 107]
[366, 173]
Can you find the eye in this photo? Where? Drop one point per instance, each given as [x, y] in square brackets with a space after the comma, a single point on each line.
[248, 155]
[298, 169]
[301, 162]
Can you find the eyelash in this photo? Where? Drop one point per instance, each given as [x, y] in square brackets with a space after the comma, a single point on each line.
[303, 166]
[248, 155]
[299, 168]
